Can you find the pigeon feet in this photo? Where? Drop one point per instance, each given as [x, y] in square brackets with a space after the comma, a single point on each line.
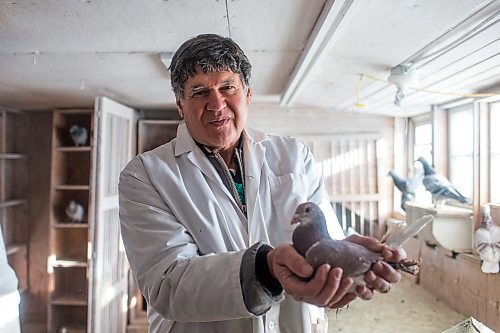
[408, 266]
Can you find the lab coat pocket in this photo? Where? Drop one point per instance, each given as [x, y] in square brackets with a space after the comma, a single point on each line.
[287, 192]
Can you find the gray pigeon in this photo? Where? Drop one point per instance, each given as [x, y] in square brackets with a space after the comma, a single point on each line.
[487, 242]
[75, 211]
[440, 187]
[79, 135]
[406, 186]
[311, 239]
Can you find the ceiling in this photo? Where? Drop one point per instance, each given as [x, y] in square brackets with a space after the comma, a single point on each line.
[305, 53]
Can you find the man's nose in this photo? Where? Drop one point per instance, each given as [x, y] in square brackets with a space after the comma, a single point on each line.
[216, 101]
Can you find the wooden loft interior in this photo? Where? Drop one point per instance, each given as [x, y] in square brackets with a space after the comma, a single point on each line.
[321, 75]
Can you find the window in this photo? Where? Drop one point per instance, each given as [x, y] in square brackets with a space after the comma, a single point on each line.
[423, 142]
[420, 142]
[461, 149]
[495, 152]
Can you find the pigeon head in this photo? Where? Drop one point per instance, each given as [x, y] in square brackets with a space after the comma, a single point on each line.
[75, 129]
[428, 169]
[311, 226]
[72, 205]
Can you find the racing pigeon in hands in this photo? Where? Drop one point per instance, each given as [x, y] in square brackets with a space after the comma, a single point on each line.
[75, 211]
[311, 239]
[79, 135]
[406, 186]
[440, 187]
[487, 242]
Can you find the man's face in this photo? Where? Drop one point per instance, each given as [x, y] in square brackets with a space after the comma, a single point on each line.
[215, 108]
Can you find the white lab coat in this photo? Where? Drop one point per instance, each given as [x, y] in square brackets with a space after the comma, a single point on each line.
[185, 235]
[9, 295]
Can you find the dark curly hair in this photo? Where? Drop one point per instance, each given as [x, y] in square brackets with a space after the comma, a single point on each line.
[211, 53]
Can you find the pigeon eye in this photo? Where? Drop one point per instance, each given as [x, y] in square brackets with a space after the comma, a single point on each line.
[308, 209]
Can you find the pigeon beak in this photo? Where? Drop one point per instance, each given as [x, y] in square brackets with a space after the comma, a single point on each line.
[295, 219]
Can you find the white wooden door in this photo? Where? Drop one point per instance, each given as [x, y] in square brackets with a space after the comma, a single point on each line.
[116, 138]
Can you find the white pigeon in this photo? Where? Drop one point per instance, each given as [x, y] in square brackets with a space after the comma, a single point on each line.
[487, 242]
[79, 135]
[75, 211]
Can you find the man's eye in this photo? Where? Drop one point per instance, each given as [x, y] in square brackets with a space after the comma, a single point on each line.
[199, 93]
[228, 88]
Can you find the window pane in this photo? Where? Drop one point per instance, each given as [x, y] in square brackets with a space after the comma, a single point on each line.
[423, 142]
[423, 134]
[495, 128]
[461, 174]
[461, 145]
[495, 152]
[461, 132]
[495, 178]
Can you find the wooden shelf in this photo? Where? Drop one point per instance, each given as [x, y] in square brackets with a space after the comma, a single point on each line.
[72, 187]
[72, 179]
[12, 156]
[14, 191]
[72, 300]
[13, 203]
[74, 149]
[70, 225]
[69, 263]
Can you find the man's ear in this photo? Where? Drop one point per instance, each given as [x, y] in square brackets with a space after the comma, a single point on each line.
[249, 94]
[179, 107]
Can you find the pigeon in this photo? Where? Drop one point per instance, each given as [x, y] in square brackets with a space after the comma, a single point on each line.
[75, 211]
[406, 186]
[79, 135]
[487, 242]
[440, 187]
[311, 239]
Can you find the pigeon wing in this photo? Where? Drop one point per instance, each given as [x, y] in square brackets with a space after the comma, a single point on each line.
[353, 258]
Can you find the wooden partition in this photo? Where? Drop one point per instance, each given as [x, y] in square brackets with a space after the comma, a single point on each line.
[349, 164]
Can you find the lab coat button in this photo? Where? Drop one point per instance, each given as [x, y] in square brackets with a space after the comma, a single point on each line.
[271, 325]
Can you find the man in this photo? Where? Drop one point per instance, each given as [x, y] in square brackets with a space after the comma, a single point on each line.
[200, 215]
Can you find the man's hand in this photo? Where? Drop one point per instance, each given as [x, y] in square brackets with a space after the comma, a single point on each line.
[381, 275]
[326, 288]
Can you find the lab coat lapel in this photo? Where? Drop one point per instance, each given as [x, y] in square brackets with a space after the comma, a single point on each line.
[254, 159]
[236, 232]
[186, 144]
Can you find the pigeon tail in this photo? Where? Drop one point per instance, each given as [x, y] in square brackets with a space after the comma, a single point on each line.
[399, 238]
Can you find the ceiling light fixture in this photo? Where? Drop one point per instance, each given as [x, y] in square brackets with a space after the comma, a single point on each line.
[403, 76]
[166, 58]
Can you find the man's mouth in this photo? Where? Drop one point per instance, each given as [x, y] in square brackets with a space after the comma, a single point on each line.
[219, 122]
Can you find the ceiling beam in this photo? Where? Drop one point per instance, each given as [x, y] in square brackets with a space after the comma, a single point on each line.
[332, 20]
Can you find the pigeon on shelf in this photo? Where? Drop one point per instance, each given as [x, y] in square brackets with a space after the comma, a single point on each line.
[406, 186]
[79, 135]
[311, 239]
[440, 187]
[487, 242]
[75, 211]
